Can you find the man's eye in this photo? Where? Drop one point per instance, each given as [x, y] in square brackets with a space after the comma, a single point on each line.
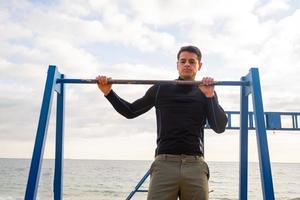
[192, 62]
[182, 61]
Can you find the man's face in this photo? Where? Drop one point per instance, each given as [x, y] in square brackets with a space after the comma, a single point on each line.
[188, 65]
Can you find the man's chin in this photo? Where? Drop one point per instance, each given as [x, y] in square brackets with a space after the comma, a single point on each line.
[187, 77]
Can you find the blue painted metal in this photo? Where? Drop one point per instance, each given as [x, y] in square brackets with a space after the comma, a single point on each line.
[261, 135]
[229, 124]
[296, 120]
[249, 84]
[243, 176]
[59, 142]
[140, 183]
[251, 124]
[273, 120]
[38, 151]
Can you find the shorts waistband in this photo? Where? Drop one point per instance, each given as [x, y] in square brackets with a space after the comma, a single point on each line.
[181, 157]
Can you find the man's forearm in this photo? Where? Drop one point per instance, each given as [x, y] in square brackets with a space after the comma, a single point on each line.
[217, 118]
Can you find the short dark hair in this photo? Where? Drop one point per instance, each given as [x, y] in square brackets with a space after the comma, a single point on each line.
[192, 49]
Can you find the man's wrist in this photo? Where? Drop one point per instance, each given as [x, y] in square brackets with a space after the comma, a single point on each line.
[209, 96]
[106, 93]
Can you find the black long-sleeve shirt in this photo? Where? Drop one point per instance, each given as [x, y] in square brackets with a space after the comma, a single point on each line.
[181, 113]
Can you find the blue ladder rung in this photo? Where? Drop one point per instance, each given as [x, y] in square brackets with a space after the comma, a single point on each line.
[142, 191]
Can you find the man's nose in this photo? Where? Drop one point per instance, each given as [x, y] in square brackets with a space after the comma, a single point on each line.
[187, 64]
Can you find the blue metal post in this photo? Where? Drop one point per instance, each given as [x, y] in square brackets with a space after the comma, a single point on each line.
[229, 120]
[59, 148]
[140, 183]
[251, 125]
[38, 151]
[243, 183]
[294, 121]
[261, 135]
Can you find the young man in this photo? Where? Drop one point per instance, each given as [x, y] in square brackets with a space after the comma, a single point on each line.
[179, 169]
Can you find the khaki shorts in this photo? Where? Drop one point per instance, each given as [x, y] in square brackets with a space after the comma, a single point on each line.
[183, 176]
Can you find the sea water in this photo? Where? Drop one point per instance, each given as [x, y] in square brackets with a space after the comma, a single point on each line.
[115, 179]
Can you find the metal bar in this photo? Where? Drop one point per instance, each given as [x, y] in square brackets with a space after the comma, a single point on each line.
[229, 120]
[59, 144]
[285, 129]
[243, 183]
[294, 121]
[151, 82]
[251, 123]
[288, 113]
[38, 151]
[142, 191]
[261, 135]
[253, 128]
[140, 183]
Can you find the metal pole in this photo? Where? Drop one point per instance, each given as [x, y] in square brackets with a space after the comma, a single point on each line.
[59, 144]
[261, 136]
[140, 183]
[151, 82]
[243, 184]
[38, 151]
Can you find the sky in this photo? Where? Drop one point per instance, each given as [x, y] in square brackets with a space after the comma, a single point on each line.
[137, 39]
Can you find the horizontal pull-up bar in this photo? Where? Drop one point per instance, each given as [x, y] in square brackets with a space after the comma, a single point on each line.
[151, 82]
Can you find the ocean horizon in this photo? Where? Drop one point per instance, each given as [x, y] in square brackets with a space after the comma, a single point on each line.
[115, 179]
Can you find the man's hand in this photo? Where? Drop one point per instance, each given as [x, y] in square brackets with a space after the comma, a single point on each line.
[103, 85]
[207, 87]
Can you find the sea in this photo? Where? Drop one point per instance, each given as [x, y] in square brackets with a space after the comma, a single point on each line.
[115, 179]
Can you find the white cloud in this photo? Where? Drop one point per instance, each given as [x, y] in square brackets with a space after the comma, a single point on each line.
[273, 6]
[13, 31]
[111, 25]
[182, 13]
[231, 35]
[75, 60]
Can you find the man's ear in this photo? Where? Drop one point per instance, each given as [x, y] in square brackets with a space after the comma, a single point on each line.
[200, 65]
[177, 65]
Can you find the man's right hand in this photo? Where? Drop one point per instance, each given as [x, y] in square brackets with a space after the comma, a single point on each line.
[103, 85]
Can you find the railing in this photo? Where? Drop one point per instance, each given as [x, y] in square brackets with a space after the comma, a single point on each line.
[285, 121]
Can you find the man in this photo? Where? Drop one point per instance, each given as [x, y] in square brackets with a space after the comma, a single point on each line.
[179, 169]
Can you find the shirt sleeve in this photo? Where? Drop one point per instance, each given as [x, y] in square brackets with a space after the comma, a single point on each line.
[138, 107]
[217, 118]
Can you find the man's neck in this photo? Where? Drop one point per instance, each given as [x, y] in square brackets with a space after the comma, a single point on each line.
[186, 79]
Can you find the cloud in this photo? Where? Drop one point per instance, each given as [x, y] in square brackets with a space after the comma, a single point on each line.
[272, 7]
[186, 13]
[109, 25]
[138, 40]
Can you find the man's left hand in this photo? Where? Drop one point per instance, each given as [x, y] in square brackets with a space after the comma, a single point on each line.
[207, 87]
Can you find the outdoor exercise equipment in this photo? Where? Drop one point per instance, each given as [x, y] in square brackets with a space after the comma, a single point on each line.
[258, 120]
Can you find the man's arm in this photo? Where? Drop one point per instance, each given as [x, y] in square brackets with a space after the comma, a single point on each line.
[131, 110]
[128, 110]
[216, 116]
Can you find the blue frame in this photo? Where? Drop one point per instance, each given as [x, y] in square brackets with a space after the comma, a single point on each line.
[250, 84]
[243, 175]
[59, 141]
[38, 151]
[137, 187]
[261, 137]
[273, 120]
